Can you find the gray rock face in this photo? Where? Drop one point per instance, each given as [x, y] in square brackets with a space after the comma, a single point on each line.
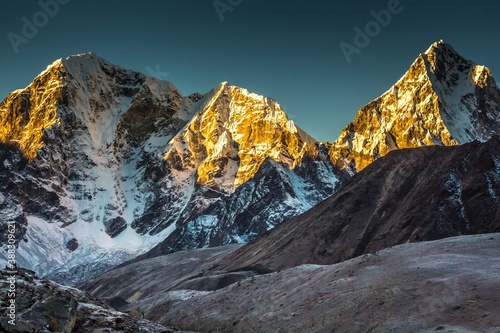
[44, 306]
[268, 197]
[11, 211]
[115, 226]
[57, 313]
[72, 244]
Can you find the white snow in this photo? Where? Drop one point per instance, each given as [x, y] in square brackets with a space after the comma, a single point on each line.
[455, 187]
[45, 247]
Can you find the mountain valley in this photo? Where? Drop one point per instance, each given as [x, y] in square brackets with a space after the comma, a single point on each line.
[217, 213]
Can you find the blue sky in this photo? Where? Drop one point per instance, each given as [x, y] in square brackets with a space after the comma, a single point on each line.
[287, 50]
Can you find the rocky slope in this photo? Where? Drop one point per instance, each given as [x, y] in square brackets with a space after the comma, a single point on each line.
[100, 164]
[448, 285]
[410, 195]
[45, 306]
[443, 99]
[147, 279]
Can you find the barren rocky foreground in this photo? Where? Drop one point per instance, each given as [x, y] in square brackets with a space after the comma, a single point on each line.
[449, 285]
[45, 306]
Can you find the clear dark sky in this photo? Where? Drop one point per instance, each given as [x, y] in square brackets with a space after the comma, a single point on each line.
[288, 50]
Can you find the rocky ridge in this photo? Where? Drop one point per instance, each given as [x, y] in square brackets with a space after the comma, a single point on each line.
[44, 306]
[443, 99]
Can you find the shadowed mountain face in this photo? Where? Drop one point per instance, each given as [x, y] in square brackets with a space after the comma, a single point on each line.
[11, 160]
[410, 195]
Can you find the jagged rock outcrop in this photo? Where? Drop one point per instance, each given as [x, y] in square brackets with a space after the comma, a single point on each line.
[44, 306]
[443, 99]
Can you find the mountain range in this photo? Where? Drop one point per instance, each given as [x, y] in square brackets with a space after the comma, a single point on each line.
[100, 164]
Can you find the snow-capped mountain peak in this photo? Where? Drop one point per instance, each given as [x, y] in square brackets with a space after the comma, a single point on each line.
[88, 128]
[443, 99]
[233, 133]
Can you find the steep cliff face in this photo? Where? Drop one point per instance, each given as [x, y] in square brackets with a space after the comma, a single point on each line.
[11, 210]
[88, 128]
[115, 162]
[443, 99]
[236, 170]
[232, 136]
